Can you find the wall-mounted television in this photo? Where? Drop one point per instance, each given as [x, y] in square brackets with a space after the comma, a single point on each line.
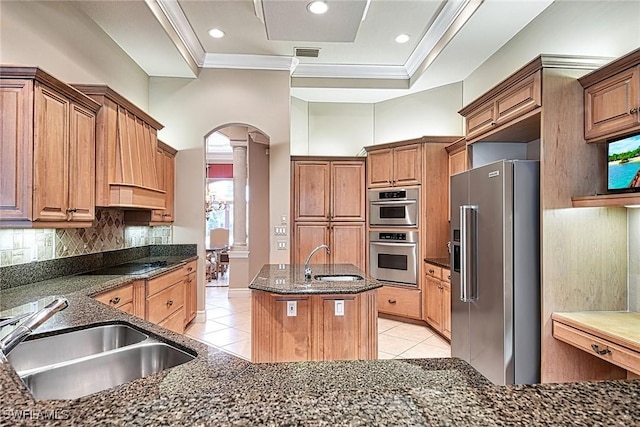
[623, 171]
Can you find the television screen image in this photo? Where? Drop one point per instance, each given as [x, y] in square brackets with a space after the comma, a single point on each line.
[624, 164]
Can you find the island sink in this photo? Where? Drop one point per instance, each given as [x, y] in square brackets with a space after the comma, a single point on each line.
[338, 277]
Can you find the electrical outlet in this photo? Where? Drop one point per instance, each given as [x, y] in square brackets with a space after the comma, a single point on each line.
[280, 231]
[339, 307]
[292, 308]
[282, 245]
[283, 219]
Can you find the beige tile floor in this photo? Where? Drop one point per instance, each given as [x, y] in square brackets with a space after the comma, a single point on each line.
[228, 327]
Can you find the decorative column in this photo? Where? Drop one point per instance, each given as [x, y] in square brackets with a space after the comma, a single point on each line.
[239, 194]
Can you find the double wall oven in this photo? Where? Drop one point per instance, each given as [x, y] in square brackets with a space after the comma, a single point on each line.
[393, 235]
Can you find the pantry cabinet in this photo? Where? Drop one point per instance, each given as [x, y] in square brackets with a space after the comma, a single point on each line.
[126, 147]
[394, 166]
[458, 162]
[328, 201]
[48, 151]
[612, 99]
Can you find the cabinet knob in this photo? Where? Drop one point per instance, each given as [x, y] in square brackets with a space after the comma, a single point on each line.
[114, 301]
[170, 302]
[166, 214]
[449, 277]
[493, 123]
[70, 210]
[392, 301]
[633, 110]
[431, 271]
[190, 269]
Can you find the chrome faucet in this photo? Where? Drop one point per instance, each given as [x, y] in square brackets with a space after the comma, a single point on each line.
[30, 324]
[307, 270]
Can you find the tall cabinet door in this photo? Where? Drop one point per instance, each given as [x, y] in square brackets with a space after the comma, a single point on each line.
[347, 191]
[51, 155]
[311, 191]
[347, 243]
[16, 139]
[82, 154]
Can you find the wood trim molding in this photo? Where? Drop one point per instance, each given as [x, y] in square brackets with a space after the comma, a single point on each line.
[328, 158]
[629, 60]
[456, 146]
[169, 149]
[421, 140]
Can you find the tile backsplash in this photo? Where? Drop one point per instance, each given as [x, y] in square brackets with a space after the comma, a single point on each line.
[20, 246]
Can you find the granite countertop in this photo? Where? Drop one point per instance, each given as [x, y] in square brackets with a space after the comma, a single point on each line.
[440, 262]
[219, 389]
[289, 279]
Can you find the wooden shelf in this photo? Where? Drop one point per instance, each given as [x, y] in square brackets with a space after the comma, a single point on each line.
[606, 200]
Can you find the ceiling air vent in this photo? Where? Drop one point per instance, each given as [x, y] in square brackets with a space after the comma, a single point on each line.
[306, 52]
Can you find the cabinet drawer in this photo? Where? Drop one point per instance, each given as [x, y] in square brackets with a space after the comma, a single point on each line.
[189, 267]
[612, 353]
[446, 275]
[159, 283]
[175, 322]
[481, 120]
[164, 303]
[117, 297]
[127, 308]
[399, 301]
[433, 270]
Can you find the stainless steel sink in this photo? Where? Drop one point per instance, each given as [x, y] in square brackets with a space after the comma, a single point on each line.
[337, 277]
[39, 352]
[73, 364]
[103, 371]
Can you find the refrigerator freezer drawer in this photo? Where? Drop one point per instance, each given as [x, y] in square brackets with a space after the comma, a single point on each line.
[400, 302]
[599, 347]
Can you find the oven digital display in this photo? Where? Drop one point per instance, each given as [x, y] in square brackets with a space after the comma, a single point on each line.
[392, 212]
[391, 195]
[393, 262]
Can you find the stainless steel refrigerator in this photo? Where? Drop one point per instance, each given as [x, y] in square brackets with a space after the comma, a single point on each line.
[495, 274]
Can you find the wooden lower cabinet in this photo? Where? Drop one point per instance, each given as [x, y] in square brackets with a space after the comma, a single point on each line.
[400, 301]
[316, 331]
[437, 299]
[168, 300]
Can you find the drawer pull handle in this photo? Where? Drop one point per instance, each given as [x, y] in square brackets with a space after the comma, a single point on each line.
[115, 300]
[70, 210]
[633, 110]
[392, 301]
[170, 302]
[431, 271]
[190, 269]
[597, 350]
[449, 277]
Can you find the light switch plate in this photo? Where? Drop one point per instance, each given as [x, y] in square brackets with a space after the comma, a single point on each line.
[280, 231]
[292, 308]
[339, 307]
[282, 245]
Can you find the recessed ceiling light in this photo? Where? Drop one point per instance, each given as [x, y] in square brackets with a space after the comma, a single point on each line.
[216, 33]
[402, 38]
[318, 7]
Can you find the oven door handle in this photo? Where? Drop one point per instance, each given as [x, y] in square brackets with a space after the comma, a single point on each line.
[395, 202]
[393, 244]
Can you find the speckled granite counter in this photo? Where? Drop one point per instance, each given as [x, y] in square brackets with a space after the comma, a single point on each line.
[219, 389]
[289, 279]
[440, 262]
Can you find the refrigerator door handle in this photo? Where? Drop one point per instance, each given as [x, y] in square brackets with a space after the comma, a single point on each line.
[468, 253]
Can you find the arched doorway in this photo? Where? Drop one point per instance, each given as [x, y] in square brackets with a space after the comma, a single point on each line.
[237, 198]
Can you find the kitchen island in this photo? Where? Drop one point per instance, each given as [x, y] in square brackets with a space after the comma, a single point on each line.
[328, 316]
[219, 389]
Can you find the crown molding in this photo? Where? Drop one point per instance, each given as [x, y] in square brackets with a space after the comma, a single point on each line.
[250, 62]
[351, 71]
[173, 12]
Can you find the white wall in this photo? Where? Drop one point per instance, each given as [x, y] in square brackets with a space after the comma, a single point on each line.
[431, 112]
[67, 44]
[339, 129]
[591, 28]
[191, 108]
[299, 127]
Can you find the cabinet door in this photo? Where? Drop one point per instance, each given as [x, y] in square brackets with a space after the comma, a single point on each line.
[407, 165]
[457, 164]
[82, 173]
[311, 190]
[156, 214]
[612, 105]
[16, 140]
[51, 155]
[191, 297]
[347, 191]
[169, 163]
[348, 244]
[446, 309]
[175, 322]
[380, 168]
[292, 342]
[337, 337]
[433, 303]
[523, 97]
[307, 237]
[480, 120]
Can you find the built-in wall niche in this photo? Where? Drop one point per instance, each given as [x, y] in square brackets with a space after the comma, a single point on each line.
[483, 153]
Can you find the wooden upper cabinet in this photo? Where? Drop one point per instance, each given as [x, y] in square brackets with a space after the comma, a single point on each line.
[394, 166]
[126, 146]
[312, 190]
[458, 162]
[48, 151]
[347, 191]
[612, 99]
[502, 105]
